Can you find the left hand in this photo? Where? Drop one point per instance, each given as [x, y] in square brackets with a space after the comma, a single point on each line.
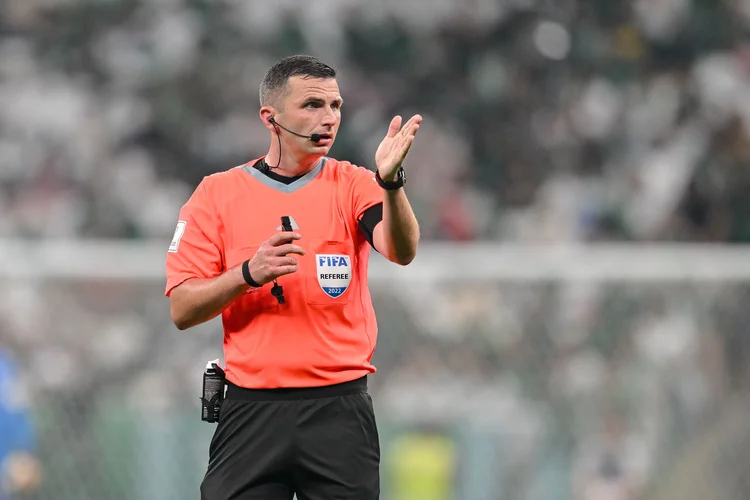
[394, 147]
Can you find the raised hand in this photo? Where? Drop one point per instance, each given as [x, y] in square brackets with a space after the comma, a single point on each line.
[395, 146]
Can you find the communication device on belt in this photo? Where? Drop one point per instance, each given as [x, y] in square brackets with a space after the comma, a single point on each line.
[213, 392]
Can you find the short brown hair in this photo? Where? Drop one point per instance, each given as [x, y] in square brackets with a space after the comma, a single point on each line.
[298, 65]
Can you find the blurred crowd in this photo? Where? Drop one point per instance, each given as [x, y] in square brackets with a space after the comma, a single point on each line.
[566, 120]
[582, 391]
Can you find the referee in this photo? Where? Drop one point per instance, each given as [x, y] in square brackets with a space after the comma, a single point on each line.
[299, 326]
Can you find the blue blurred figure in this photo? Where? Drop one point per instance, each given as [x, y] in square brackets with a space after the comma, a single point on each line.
[19, 467]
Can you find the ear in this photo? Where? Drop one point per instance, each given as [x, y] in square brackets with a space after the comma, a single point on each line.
[266, 113]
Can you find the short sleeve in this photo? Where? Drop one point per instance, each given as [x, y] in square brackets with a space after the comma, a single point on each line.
[366, 192]
[196, 247]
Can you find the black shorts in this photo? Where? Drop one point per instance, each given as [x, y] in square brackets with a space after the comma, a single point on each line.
[320, 443]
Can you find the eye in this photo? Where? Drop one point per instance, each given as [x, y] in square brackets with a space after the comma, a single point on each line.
[312, 104]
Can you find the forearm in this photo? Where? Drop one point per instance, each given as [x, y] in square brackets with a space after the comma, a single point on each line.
[199, 300]
[400, 229]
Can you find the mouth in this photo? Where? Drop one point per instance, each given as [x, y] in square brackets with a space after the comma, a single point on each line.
[325, 139]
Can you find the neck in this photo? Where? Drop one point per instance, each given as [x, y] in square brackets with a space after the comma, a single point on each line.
[291, 164]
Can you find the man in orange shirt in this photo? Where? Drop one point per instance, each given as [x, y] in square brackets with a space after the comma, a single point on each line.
[299, 326]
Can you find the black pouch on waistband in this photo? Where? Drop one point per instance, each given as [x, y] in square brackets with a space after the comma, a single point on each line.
[214, 382]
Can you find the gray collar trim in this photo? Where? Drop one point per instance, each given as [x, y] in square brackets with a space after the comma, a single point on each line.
[280, 186]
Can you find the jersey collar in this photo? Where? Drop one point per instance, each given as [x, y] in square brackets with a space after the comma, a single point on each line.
[280, 186]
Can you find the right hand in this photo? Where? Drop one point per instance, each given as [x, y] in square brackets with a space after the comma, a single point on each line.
[273, 258]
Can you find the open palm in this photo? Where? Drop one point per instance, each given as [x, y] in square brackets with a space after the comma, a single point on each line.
[395, 146]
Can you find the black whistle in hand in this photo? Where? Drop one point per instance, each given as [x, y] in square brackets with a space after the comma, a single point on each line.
[277, 291]
[286, 224]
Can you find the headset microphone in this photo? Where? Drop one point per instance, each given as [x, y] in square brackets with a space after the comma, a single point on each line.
[313, 137]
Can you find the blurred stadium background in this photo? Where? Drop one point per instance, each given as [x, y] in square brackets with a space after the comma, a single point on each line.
[576, 326]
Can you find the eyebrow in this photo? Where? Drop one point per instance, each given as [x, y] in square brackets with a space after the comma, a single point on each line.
[320, 100]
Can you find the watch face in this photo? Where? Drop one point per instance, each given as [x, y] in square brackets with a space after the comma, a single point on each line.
[392, 185]
[401, 177]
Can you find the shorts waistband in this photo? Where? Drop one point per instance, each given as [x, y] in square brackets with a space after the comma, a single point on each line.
[284, 394]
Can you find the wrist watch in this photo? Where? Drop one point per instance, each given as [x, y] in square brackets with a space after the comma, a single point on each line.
[392, 185]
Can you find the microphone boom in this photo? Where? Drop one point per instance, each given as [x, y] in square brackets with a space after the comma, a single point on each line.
[313, 137]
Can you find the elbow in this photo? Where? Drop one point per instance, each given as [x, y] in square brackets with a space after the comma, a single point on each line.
[181, 323]
[405, 256]
[180, 320]
[405, 259]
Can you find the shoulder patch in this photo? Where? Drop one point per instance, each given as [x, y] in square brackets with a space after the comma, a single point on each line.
[178, 232]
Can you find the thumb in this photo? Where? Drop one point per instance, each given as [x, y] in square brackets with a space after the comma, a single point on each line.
[394, 126]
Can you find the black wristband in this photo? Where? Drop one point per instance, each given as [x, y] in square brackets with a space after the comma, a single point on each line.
[248, 277]
[392, 185]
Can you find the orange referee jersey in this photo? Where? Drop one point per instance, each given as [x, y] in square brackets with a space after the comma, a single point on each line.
[326, 331]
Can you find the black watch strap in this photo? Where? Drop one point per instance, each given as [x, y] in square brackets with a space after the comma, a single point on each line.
[392, 185]
[247, 276]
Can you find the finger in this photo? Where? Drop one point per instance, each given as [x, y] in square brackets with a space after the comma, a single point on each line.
[284, 261]
[283, 237]
[405, 143]
[281, 271]
[287, 249]
[405, 127]
[394, 126]
[416, 119]
[404, 148]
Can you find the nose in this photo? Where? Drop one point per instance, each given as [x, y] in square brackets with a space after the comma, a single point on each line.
[331, 117]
